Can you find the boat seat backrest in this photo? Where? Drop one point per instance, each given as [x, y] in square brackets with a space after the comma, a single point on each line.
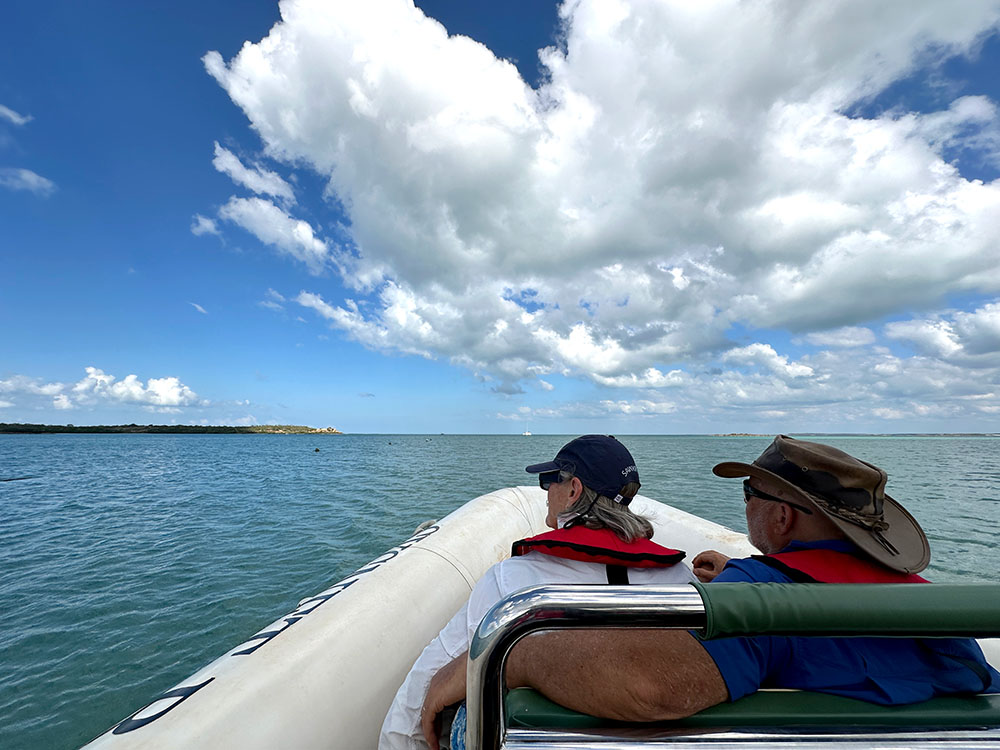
[777, 708]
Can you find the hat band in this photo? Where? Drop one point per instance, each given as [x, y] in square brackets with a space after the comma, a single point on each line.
[875, 525]
[822, 486]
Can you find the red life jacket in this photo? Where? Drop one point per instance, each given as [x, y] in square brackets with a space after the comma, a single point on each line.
[829, 566]
[598, 546]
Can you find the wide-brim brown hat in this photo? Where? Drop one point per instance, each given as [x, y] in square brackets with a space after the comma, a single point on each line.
[848, 491]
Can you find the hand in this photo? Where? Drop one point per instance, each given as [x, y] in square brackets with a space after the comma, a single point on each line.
[708, 564]
[447, 687]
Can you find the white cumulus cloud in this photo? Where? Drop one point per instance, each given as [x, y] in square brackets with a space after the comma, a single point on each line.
[14, 178]
[10, 115]
[203, 225]
[273, 301]
[936, 337]
[99, 387]
[272, 226]
[157, 392]
[848, 336]
[766, 358]
[259, 179]
[957, 336]
[683, 171]
[651, 378]
[33, 386]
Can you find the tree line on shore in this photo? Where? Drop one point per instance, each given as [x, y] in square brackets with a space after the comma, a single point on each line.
[268, 429]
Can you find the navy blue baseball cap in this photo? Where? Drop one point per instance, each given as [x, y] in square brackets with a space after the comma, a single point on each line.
[599, 461]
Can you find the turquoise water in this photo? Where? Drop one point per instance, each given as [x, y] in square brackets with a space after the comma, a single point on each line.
[129, 561]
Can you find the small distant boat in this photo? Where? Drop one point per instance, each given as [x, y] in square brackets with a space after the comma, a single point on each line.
[525, 433]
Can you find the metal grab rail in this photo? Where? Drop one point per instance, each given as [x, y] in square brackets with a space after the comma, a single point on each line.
[568, 606]
[826, 610]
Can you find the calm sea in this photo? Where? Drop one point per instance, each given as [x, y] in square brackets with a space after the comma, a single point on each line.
[129, 561]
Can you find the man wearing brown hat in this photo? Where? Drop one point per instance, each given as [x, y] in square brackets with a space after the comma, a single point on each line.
[817, 514]
[818, 492]
[821, 515]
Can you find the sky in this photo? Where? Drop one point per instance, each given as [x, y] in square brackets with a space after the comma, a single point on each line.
[463, 216]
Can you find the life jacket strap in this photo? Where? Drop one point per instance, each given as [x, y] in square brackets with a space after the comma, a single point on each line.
[617, 575]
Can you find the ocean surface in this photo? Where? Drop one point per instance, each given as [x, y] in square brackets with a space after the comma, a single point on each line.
[127, 562]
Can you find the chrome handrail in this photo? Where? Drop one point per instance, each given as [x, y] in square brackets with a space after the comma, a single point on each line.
[566, 606]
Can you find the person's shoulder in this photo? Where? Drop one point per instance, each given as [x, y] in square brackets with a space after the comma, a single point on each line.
[528, 561]
[748, 570]
[534, 568]
[678, 573]
[528, 569]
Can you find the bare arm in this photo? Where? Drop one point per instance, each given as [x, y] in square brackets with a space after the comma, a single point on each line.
[708, 564]
[629, 675]
[447, 687]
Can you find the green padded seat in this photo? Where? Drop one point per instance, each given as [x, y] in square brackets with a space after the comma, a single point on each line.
[776, 708]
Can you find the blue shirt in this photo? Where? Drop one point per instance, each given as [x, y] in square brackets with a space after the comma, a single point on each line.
[877, 670]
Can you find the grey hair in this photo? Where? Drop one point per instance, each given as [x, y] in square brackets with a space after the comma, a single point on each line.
[605, 513]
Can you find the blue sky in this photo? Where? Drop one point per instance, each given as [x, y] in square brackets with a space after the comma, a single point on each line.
[722, 217]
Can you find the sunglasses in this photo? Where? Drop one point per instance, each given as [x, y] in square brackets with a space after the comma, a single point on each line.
[749, 492]
[548, 478]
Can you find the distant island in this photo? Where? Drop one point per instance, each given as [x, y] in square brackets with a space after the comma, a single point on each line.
[864, 434]
[263, 429]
